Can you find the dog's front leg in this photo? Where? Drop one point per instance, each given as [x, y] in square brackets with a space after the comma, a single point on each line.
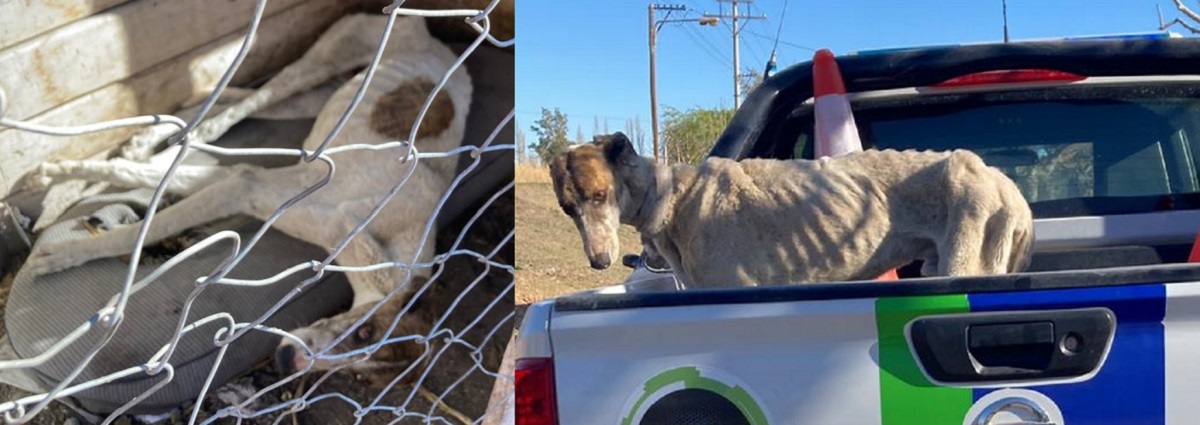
[142, 145]
[228, 197]
[187, 179]
[929, 266]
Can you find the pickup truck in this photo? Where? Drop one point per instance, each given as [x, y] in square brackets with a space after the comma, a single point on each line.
[1103, 328]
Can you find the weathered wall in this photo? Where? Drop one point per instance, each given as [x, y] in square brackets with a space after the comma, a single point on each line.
[70, 62]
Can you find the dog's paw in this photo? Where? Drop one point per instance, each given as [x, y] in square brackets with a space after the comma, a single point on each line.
[95, 225]
[49, 173]
[49, 259]
[136, 152]
[143, 144]
[36, 181]
[41, 177]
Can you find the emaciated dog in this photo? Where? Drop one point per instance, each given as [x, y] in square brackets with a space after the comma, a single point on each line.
[771, 222]
[405, 78]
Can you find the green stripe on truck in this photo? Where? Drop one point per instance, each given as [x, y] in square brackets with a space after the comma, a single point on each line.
[906, 396]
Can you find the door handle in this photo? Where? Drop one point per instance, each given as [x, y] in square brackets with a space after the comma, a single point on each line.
[1011, 346]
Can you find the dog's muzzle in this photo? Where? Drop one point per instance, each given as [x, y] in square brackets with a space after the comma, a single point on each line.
[288, 359]
[601, 261]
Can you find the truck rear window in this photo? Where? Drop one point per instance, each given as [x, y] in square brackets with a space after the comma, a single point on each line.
[1073, 151]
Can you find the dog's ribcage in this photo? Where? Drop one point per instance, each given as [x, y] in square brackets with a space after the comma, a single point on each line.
[363, 177]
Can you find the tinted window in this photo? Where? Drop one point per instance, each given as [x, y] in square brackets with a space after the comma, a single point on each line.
[1072, 151]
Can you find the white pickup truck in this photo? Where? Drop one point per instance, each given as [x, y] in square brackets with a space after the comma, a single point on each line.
[1101, 135]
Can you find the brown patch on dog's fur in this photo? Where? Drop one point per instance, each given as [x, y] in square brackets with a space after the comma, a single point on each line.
[563, 188]
[581, 172]
[396, 112]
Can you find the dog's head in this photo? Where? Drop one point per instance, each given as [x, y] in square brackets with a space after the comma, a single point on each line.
[589, 183]
[384, 364]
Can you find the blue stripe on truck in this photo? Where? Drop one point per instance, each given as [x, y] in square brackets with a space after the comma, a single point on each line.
[1130, 386]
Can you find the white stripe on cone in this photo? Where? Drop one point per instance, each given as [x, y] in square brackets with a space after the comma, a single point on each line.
[836, 131]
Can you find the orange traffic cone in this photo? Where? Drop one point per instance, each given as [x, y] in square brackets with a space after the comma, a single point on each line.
[836, 132]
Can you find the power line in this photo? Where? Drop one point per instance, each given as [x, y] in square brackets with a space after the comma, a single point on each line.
[703, 43]
[779, 30]
[755, 45]
[798, 46]
[754, 52]
[736, 33]
[772, 63]
[693, 9]
[706, 46]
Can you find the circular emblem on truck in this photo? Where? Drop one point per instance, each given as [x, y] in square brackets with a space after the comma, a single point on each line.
[1011, 405]
[700, 395]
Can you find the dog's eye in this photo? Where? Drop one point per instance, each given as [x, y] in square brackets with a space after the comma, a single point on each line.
[364, 333]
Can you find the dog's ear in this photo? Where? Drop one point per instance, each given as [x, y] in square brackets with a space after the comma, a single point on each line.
[618, 149]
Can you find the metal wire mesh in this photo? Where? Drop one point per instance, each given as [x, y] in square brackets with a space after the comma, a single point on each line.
[110, 317]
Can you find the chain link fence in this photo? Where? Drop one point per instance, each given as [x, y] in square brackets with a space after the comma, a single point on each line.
[299, 390]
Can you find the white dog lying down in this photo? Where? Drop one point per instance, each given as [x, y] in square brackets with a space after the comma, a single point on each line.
[404, 79]
[769, 222]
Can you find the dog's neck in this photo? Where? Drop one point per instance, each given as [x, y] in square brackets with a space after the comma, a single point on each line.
[653, 190]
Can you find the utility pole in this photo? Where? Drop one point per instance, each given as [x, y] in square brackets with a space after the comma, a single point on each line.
[654, 27]
[653, 81]
[737, 61]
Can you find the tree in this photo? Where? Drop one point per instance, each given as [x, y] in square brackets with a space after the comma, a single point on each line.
[579, 134]
[551, 130]
[748, 80]
[633, 129]
[520, 142]
[689, 135]
[1192, 16]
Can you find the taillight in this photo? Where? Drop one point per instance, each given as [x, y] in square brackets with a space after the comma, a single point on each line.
[1011, 76]
[535, 403]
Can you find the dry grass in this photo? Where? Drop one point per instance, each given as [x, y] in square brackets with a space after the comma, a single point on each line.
[549, 251]
[528, 173]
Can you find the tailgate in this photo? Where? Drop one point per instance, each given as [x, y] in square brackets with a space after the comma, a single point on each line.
[1114, 354]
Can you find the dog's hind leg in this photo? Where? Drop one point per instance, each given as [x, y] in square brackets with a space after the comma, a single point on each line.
[1022, 248]
[960, 256]
[997, 243]
[233, 195]
[969, 212]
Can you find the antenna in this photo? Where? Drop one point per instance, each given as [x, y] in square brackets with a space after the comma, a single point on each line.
[1004, 11]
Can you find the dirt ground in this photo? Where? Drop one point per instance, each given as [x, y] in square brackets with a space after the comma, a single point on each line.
[467, 400]
[550, 259]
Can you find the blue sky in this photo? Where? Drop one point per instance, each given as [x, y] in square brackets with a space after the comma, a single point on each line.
[591, 59]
